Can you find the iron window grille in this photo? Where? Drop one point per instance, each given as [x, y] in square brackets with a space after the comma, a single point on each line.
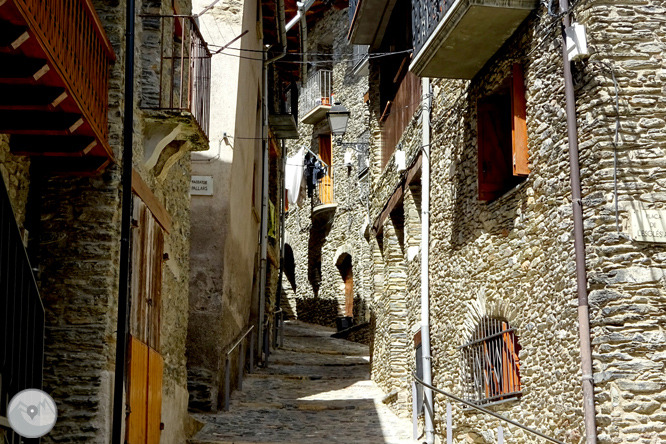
[490, 365]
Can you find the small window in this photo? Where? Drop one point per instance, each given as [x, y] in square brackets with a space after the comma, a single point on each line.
[491, 369]
[502, 139]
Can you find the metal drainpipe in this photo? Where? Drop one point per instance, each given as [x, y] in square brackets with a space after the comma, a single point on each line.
[264, 187]
[282, 202]
[579, 241]
[425, 260]
[122, 326]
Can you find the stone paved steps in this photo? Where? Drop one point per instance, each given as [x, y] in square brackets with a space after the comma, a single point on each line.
[316, 390]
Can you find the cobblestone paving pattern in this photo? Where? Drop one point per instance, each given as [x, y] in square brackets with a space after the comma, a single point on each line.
[317, 389]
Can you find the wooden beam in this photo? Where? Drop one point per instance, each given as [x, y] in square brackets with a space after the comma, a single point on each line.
[141, 189]
[398, 194]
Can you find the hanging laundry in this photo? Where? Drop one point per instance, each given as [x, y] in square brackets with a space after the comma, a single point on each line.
[293, 176]
[310, 173]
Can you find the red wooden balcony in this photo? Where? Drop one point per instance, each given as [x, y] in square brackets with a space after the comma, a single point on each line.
[54, 82]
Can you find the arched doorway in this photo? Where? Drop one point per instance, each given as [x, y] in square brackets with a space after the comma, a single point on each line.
[344, 264]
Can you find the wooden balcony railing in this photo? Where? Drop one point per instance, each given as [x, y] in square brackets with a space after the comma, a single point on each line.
[324, 191]
[182, 81]
[72, 35]
[398, 114]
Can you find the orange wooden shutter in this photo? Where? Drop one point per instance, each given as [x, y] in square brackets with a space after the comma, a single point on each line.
[138, 393]
[519, 123]
[325, 149]
[494, 168]
[154, 416]
[510, 363]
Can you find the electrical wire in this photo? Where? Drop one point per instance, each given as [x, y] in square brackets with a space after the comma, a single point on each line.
[313, 62]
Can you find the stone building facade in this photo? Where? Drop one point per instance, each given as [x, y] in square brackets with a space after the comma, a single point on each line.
[511, 258]
[73, 225]
[326, 241]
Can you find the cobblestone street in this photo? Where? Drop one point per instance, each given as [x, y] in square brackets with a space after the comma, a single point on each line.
[316, 389]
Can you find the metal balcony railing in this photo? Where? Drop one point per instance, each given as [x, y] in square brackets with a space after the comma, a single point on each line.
[426, 15]
[360, 55]
[182, 81]
[318, 90]
[72, 36]
[21, 318]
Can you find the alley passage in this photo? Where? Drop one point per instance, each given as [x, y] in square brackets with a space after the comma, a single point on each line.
[317, 389]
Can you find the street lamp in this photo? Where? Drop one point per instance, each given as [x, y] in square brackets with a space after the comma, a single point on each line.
[338, 117]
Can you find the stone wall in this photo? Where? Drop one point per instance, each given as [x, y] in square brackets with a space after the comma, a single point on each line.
[513, 258]
[15, 171]
[78, 239]
[319, 244]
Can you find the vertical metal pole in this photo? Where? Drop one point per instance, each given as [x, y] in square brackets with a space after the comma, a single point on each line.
[227, 383]
[251, 363]
[241, 364]
[281, 329]
[415, 412]
[267, 347]
[122, 325]
[500, 435]
[579, 240]
[425, 244]
[449, 423]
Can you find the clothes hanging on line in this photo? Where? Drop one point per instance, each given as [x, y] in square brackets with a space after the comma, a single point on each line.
[315, 170]
[293, 178]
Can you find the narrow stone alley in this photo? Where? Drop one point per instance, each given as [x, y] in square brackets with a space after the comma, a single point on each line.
[316, 389]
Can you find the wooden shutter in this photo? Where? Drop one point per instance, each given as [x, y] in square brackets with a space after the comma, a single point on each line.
[147, 260]
[519, 123]
[325, 149]
[510, 362]
[138, 392]
[145, 394]
[494, 142]
[154, 408]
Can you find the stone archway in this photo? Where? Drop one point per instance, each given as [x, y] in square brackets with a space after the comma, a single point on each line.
[344, 265]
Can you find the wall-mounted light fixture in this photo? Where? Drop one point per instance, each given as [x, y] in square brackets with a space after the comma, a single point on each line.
[338, 117]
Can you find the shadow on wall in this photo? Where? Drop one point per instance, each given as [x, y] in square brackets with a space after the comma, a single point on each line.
[317, 311]
[316, 242]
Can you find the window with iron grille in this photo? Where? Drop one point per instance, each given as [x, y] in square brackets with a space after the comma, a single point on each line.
[490, 364]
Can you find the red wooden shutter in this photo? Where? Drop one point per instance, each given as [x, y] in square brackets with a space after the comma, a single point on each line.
[519, 124]
[494, 167]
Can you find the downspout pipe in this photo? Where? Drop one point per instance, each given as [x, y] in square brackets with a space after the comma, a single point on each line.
[579, 241]
[122, 326]
[264, 179]
[282, 203]
[425, 261]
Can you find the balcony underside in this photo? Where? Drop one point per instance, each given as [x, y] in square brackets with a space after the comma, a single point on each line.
[467, 37]
[322, 213]
[370, 21]
[316, 114]
[283, 126]
[39, 107]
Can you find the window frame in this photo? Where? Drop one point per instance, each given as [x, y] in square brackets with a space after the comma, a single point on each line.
[493, 344]
[497, 176]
